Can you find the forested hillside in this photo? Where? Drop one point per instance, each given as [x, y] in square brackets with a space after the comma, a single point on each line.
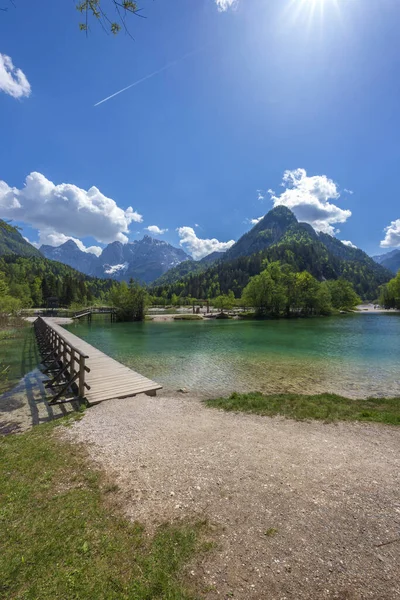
[31, 281]
[12, 242]
[289, 242]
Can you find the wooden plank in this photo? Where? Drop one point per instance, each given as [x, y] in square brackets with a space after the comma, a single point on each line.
[98, 399]
[124, 386]
[107, 378]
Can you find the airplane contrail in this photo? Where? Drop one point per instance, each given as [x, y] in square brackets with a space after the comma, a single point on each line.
[168, 66]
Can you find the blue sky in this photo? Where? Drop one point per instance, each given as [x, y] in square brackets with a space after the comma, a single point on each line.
[298, 97]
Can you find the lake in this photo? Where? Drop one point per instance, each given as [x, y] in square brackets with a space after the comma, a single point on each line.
[353, 355]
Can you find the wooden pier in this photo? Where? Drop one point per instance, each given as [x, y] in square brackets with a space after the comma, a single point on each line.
[95, 310]
[78, 371]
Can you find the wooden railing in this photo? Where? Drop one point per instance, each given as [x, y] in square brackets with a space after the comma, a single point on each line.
[63, 363]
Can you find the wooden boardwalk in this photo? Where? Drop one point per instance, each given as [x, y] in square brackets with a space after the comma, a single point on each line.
[105, 378]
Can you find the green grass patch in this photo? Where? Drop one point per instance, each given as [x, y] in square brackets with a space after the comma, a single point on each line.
[188, 318]
[326, 407]
[61, 534]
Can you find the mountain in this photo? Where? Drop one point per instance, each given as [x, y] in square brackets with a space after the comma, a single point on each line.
[69, 254]
[390, 260]
[280, 237]
[267, 232]
[211, 258]
[12, 242]
[144, 260]
[188, 266]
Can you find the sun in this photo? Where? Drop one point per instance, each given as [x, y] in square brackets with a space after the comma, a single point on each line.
[312, 9]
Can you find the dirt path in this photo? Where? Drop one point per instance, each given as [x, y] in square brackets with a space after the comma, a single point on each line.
[300, 508]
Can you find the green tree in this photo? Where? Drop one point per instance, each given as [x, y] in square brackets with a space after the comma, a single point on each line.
[36, 292]
[343, 295]
[324, 299]
[129, 300]
[279, 293]
[9, 305]
[22, 292]
[175, 300]
[390, 293]
[3, 285]
[258, 293]
[307, 288]
[225, 301]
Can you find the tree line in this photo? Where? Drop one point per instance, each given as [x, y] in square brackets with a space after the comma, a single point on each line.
[390, 293]
[280, 291]
[31, 281]
[277, 290]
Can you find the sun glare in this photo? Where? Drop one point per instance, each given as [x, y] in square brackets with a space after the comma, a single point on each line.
[312, 10]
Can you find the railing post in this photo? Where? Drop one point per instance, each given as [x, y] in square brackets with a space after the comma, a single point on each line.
[81, 385]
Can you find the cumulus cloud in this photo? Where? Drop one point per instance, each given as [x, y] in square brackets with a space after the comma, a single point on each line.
[199, 247]
[67, 209]
[309, 199]
[224, 5]
[348, 243]
[156, 230]
[392, 235]
[53, 238]
[257, 220]
[12, 80]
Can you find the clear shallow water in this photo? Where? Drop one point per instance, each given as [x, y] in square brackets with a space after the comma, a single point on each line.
[19, 353]
[354, 355]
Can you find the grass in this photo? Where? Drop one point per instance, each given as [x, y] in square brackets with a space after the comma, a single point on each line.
[326, 407]
[188, 318]
[61, 535]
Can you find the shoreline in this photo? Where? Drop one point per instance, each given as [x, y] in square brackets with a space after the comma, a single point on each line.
[369, 308]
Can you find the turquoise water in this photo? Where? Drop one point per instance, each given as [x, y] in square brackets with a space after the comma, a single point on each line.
[354, 355]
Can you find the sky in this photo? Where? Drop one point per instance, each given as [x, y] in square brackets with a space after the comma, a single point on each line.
[231, 107]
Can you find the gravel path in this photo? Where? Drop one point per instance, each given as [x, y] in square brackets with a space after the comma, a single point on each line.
[299, 508]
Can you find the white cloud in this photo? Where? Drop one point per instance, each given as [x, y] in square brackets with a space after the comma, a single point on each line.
[392, 235]
[260, 195]
[198, 247]
[67, 209]
[53, 238]
[308, 198]
[224, 5]
[12, 80]
[348, 191]
[255, 221]
[348, 243]
[156, 230]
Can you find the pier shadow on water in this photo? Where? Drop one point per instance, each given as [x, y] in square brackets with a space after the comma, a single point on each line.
[25, 402]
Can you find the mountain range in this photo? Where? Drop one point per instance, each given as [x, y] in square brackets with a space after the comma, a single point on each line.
[144, 260]
[390, 260]
[277, 236]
